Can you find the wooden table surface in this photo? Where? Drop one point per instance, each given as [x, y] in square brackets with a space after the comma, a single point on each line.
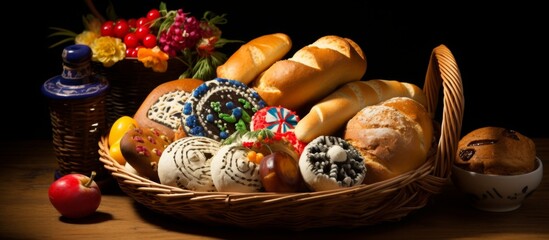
[27, 169]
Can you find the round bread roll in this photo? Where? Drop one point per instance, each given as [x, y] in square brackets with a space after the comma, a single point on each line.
[394, 137]
[233, 172]
[329, 162]
[185, 163]
[496, 150]
[220, 107]
[276, 119]
[162, 107]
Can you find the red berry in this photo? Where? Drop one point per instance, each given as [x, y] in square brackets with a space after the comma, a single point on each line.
[132, 52]
[136, 50]
[132, 22]
[107, 29]
[153, 14]
[131, 40]
[142, 31]
[121, 28]
[149, 41]
[142, 21]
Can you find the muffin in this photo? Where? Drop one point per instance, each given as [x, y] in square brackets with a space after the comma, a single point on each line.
[497, 151]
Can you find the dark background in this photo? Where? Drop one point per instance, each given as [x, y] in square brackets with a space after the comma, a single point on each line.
[500, 49]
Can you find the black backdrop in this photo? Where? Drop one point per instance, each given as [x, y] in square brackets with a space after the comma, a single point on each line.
[500, 49]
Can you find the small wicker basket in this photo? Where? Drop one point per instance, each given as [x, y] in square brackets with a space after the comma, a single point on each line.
[76, 125]
[131, 82]
[362, 205]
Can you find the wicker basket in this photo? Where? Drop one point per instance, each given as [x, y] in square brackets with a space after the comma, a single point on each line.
[76, 127]
[131, 82]
[363, 205]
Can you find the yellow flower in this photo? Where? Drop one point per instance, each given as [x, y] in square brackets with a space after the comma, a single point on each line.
[153, 58]
[108, 50]
[86, 37]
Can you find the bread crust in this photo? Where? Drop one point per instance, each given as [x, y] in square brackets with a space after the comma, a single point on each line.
[311, 73]
[496, 150]
[332, 113]
[254, 57]
[162, 107]
[393, 137]
[142, 148]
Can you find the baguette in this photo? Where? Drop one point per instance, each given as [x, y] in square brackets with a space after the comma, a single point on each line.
[311, 73]
[331, 113]
[254, 57]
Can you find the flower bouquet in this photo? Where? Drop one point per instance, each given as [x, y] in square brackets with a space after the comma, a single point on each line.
[138, 54]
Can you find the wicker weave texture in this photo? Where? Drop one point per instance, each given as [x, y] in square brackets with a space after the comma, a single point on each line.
[131, 82]
[77, 125]
[362, 205]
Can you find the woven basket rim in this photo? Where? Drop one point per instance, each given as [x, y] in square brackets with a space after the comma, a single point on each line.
[356, 206]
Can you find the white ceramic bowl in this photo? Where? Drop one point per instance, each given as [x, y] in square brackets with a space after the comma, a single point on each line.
[497, 193]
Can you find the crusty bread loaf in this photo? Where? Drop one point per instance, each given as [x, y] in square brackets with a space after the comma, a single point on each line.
[163, 106]
[311, 73]
[393, 137]
[496, 150]
[254, 57]
[331, 113]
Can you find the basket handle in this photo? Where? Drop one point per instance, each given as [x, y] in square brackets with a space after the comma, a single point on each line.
[443, 71]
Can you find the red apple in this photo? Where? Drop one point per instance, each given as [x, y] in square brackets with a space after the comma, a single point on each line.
[75, 195]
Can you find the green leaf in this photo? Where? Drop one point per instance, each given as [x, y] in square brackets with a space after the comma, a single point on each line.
[203, 69]
[68, 34]
[234, 138]
[214, 19]
[222, 41]
[218, 58]
[111, 13]
[165, 22]
[162, 7]
[63, 30]
[61, 42]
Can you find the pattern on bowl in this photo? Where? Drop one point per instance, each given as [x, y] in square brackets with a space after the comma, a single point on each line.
[494, 193]
[497, 193]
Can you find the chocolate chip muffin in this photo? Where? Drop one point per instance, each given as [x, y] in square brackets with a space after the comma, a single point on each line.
[496, 150]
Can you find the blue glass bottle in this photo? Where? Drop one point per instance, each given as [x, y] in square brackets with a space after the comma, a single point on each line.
[78, 113]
